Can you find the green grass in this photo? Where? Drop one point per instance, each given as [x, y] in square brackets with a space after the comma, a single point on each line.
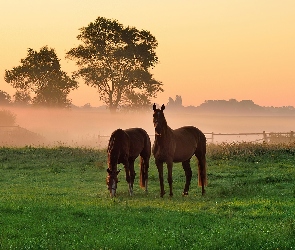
[56, 198]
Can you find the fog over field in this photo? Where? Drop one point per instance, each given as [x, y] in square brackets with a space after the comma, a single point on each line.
[91, 127]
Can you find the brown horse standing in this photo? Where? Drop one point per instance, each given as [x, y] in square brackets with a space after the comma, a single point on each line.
[124, 147]
[178, 145]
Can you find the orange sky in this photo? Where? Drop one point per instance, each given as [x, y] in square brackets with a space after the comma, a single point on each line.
[213, 49]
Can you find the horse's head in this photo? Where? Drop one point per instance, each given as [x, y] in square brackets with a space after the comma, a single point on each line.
[112, 180]
[159, 119]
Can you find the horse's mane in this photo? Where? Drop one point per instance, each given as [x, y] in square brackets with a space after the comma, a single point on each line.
[115, 139]
[166, 129]
[116, 144]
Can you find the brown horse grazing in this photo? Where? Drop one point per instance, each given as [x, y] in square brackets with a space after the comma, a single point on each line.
[124, 147]
[178, 145]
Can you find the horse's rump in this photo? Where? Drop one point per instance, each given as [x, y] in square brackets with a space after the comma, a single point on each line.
[140, 144]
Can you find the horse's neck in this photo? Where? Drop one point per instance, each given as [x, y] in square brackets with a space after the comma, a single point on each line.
[165, 135]
[168, 131]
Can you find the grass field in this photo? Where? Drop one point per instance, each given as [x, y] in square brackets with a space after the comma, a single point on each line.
[56, 198]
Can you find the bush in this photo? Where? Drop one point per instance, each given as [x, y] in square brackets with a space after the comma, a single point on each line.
[248, 151]
[7, 118]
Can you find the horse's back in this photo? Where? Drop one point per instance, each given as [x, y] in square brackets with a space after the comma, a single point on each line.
[118, 138]
[186, 135]
[188, 139]
[139, 141]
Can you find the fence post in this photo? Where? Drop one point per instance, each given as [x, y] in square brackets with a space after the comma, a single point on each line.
[291, 136]
[264, 137]
[212, 137]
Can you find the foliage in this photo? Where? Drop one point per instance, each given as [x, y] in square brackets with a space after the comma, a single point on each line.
[56, 198]
[22, 97]
[19, 137]
[116, 60]
[177, 103]
[136, 101]
[4, 98]
[231, 105]
[249, 152]
[7, 118]
[242, 107]
[40, 73]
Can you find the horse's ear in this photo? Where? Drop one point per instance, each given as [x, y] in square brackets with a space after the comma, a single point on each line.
[163, 107]
[109, 171]
[154, 107]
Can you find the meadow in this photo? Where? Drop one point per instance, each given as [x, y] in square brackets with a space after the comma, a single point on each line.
[56, 198]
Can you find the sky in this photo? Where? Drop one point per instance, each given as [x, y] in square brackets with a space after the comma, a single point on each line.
[208, 50]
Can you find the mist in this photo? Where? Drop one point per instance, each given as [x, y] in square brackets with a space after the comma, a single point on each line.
[91, 127]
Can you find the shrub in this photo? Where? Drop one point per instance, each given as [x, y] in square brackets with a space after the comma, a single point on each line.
[248, 151]
[7, 118]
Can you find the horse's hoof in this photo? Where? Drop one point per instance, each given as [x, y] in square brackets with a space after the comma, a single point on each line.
[185, 194]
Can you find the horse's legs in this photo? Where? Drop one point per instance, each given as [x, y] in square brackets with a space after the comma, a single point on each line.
[170, 180]
[188, 175]
[160, 171]
[144, 168]
[132, 176]
[128, 178]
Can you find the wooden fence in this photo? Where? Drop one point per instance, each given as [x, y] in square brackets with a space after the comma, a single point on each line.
[262, 137]
[15, 135]
[266, 137]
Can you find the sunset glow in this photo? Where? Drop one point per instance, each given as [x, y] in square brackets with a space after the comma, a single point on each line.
[208, 50]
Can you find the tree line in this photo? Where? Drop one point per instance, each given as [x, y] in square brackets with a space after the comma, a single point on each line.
[114, 59]
[229, 106]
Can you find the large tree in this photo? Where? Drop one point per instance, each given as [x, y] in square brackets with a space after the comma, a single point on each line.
[116, 60]
[40, 73]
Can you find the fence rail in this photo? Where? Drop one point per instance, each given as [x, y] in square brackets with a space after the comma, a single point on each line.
[17, 135]
[267, 137]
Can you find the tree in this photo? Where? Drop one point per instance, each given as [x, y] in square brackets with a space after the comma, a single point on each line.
[175, 104]
[116, 60]
[22, 97]
[41, 74]
[5, 98]
[136, 101]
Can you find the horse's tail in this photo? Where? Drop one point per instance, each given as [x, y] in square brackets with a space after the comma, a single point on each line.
[202, 165]
[144, 161]
[142, 173]
[202, 175]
